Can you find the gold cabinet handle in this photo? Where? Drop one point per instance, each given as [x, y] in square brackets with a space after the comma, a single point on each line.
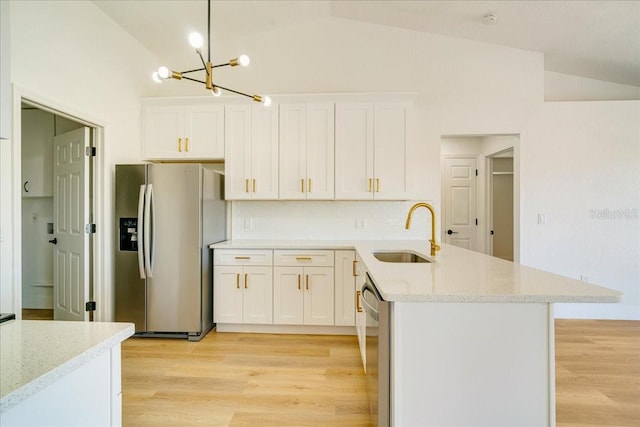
[307, 280]
[353, 266]
[299, 279]
[254, 185]
[243, 257]
[180, 145]
[246, 185]
[246, 280]
[302, 185]
[303, 258]
[370, 184]
[309, 185]
[186, 145]
[358, 307]
[377, 185]
[238, 281]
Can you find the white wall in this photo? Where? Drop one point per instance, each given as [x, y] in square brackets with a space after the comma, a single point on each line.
[581, 169]
[564, 87]
[71, 56]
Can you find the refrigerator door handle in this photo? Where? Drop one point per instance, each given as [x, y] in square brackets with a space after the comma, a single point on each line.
[148, 237]
[140, 232]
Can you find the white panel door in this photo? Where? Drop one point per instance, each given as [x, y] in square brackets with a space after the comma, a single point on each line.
[320, 151]
[354, 151]
[70, 216]
[227, 294]
[257, 301]
[288, 295]
[318, 295]
[293, 151]
[204, 128]
[460, 200]
[390, 152]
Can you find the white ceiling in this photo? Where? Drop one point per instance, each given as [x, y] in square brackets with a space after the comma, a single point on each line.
[594, 39]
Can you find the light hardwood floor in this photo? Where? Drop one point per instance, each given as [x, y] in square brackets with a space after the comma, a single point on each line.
[304, 380]
[37, 314]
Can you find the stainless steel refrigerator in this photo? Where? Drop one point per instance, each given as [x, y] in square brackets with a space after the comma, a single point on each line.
[167, 215]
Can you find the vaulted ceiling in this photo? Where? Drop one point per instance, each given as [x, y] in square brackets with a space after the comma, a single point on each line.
[594, 39]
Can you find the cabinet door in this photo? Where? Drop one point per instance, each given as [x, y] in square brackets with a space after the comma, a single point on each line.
[237, 147]
[163, 132]
[293, 151]
[345, 288]
[258, 295]
[288, 295]
[354, 151]
[204, 128]
[227, 294]
[390, 152]
[264, 153]
[318, 295]
[320, 151]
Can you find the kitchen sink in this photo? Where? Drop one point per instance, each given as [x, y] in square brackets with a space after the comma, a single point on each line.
[402, 257]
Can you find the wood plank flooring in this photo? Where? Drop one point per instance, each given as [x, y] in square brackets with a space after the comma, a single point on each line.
[309, 380]
[37, 314]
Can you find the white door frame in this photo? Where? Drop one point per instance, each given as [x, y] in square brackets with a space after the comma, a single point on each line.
[21, 95]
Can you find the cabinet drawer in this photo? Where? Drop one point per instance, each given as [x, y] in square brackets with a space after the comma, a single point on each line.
[242, 257]
[303, 257]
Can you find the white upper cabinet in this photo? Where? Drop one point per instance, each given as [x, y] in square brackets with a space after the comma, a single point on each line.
[173, 131]
[307, 151]
[371, 151]
[251, 152]
[5, 78]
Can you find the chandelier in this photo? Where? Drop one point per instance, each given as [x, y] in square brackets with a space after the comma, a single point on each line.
[195, 40]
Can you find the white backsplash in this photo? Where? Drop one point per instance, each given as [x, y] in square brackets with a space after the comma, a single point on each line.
[327, 220]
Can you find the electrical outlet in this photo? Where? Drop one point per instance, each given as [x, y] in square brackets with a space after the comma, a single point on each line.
[361, 223]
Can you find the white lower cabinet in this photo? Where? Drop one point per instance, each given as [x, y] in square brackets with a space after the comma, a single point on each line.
[242, 290]
[345, 288]
[303, 287]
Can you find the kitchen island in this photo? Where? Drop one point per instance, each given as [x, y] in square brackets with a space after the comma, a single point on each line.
[469, 338]
[61, 373]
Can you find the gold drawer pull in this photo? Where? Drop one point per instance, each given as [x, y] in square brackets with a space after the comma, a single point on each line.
[353, 266]
[309, 185]
[246, 185]
[254, 185]
[307, 282]
[299, 278]
[302, 185]
[180, 145]
[358, 307]
[370, 184]
[303, 258]
[186, 144]
[238, 281]
[377, 185]
[243, 257]
[246, 280]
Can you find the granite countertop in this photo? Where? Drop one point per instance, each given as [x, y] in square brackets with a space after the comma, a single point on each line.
[456, 275]
[36, 353]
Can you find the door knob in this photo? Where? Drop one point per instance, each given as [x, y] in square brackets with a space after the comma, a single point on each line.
[451, 232]
[54, 241]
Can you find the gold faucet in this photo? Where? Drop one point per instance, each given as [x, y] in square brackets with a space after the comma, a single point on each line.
[434, 245]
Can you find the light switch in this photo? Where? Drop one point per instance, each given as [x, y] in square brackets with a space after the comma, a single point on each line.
[542, 220]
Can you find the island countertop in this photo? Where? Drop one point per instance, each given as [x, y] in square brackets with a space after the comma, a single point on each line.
[36, 353]
[455, 275]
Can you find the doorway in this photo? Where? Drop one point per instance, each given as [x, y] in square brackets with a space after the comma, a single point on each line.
[500, 204]
[478, 216]
[57, 172]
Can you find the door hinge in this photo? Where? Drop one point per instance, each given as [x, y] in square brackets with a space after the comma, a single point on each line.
[90, 306]
[90, 228]
[90, 151]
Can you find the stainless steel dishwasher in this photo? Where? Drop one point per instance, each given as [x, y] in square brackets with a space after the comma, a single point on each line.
[377, 325]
